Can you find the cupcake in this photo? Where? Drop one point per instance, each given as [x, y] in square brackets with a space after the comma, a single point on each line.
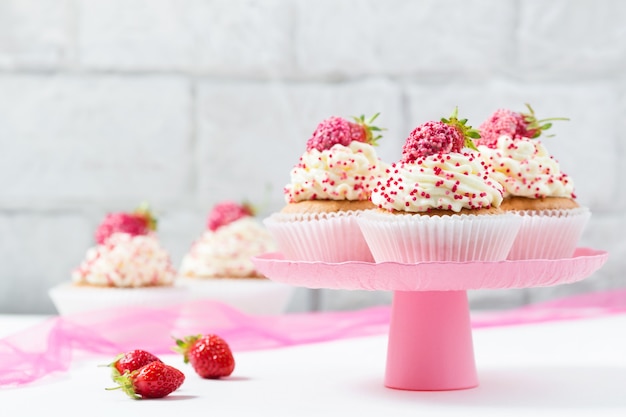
[329, 188]
[127, 267]
[225, 249]
[534, 185]
[219, 264]
[438, 202]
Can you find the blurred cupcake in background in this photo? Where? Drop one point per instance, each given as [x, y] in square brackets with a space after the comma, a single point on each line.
[534, 185]
[329, 188]
[438, 202]
[127, 267]
[225, 248]
[219, 264]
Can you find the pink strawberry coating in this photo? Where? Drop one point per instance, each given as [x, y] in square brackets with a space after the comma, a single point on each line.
[503, 122]
[445, 136]
[337, 130]
[431, 138]
[516, 125]
[227, 212]
[139, 222]
[332, 131]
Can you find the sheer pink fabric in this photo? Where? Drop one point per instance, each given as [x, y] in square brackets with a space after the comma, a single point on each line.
[50, 346]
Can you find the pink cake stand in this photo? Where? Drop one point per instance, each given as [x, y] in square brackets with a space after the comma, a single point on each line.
[430, 336]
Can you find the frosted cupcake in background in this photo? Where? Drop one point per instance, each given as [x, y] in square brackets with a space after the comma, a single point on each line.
[127, 267]
[438, 202]
[330, 186]
[534, 185]
[225, 249]
[219, 264]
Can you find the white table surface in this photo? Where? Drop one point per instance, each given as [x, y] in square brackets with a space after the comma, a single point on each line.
[569, 368]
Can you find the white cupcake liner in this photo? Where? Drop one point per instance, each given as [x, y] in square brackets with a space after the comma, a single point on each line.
[70, 299]
[325, 237]
[413, 238]
[256, 296]
[549, 234]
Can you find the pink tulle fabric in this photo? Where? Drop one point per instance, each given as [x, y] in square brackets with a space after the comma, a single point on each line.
[51, 346]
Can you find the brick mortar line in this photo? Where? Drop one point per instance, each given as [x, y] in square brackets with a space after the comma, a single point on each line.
[550, 77]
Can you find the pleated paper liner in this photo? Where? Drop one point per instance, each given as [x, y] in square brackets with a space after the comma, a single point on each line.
[413, 238]
[327, 237]
[549, 234]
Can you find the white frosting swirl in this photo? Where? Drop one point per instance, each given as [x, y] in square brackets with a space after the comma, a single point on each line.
[339, 173]
[526, 169]
[227, 252]
[442, 181]
[126, 261]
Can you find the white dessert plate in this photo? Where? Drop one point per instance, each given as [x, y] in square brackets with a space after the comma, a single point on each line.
[72, 299]
[249, 295]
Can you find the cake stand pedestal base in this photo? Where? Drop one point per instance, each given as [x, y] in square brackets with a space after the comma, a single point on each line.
[430, 342]
[430, 336]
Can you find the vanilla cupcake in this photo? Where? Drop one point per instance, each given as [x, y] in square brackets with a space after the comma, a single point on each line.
[219, 264]
[438, 202]
[329, 188]
[225, 249]
[534, 186]
[124, 260]
[127, 267]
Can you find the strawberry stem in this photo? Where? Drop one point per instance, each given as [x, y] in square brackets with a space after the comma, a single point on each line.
[249, 208]
[183, 345]
[125, 384]
[467, 131]
[144, 211]
[537, 127]
[369, 128]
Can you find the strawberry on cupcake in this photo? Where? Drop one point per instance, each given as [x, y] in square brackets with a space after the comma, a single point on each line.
[438, 202]
[531, 177]
[330, 186]
[517, 125]
[534, 184]
[219, 267]
[127, 254]
[127, 266]
[225, 249]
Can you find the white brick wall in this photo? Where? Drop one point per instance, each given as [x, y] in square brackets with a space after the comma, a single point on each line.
[572, 39]
[106, 103]
[238, 121]
[432, 38]
[76, 139]
[35, 34]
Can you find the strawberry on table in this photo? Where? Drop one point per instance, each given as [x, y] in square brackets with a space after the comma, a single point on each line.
[155, 380]
[209, 355]
[336, 130]
[514, 124]
[139, 222]
[131, 361]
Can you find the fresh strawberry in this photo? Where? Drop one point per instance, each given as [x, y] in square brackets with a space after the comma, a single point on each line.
[154, 380]
[445, 136]
[131, 361]
[336, 130]
[139, 222]
[514, 124]
[227, 212]
[209, 355]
